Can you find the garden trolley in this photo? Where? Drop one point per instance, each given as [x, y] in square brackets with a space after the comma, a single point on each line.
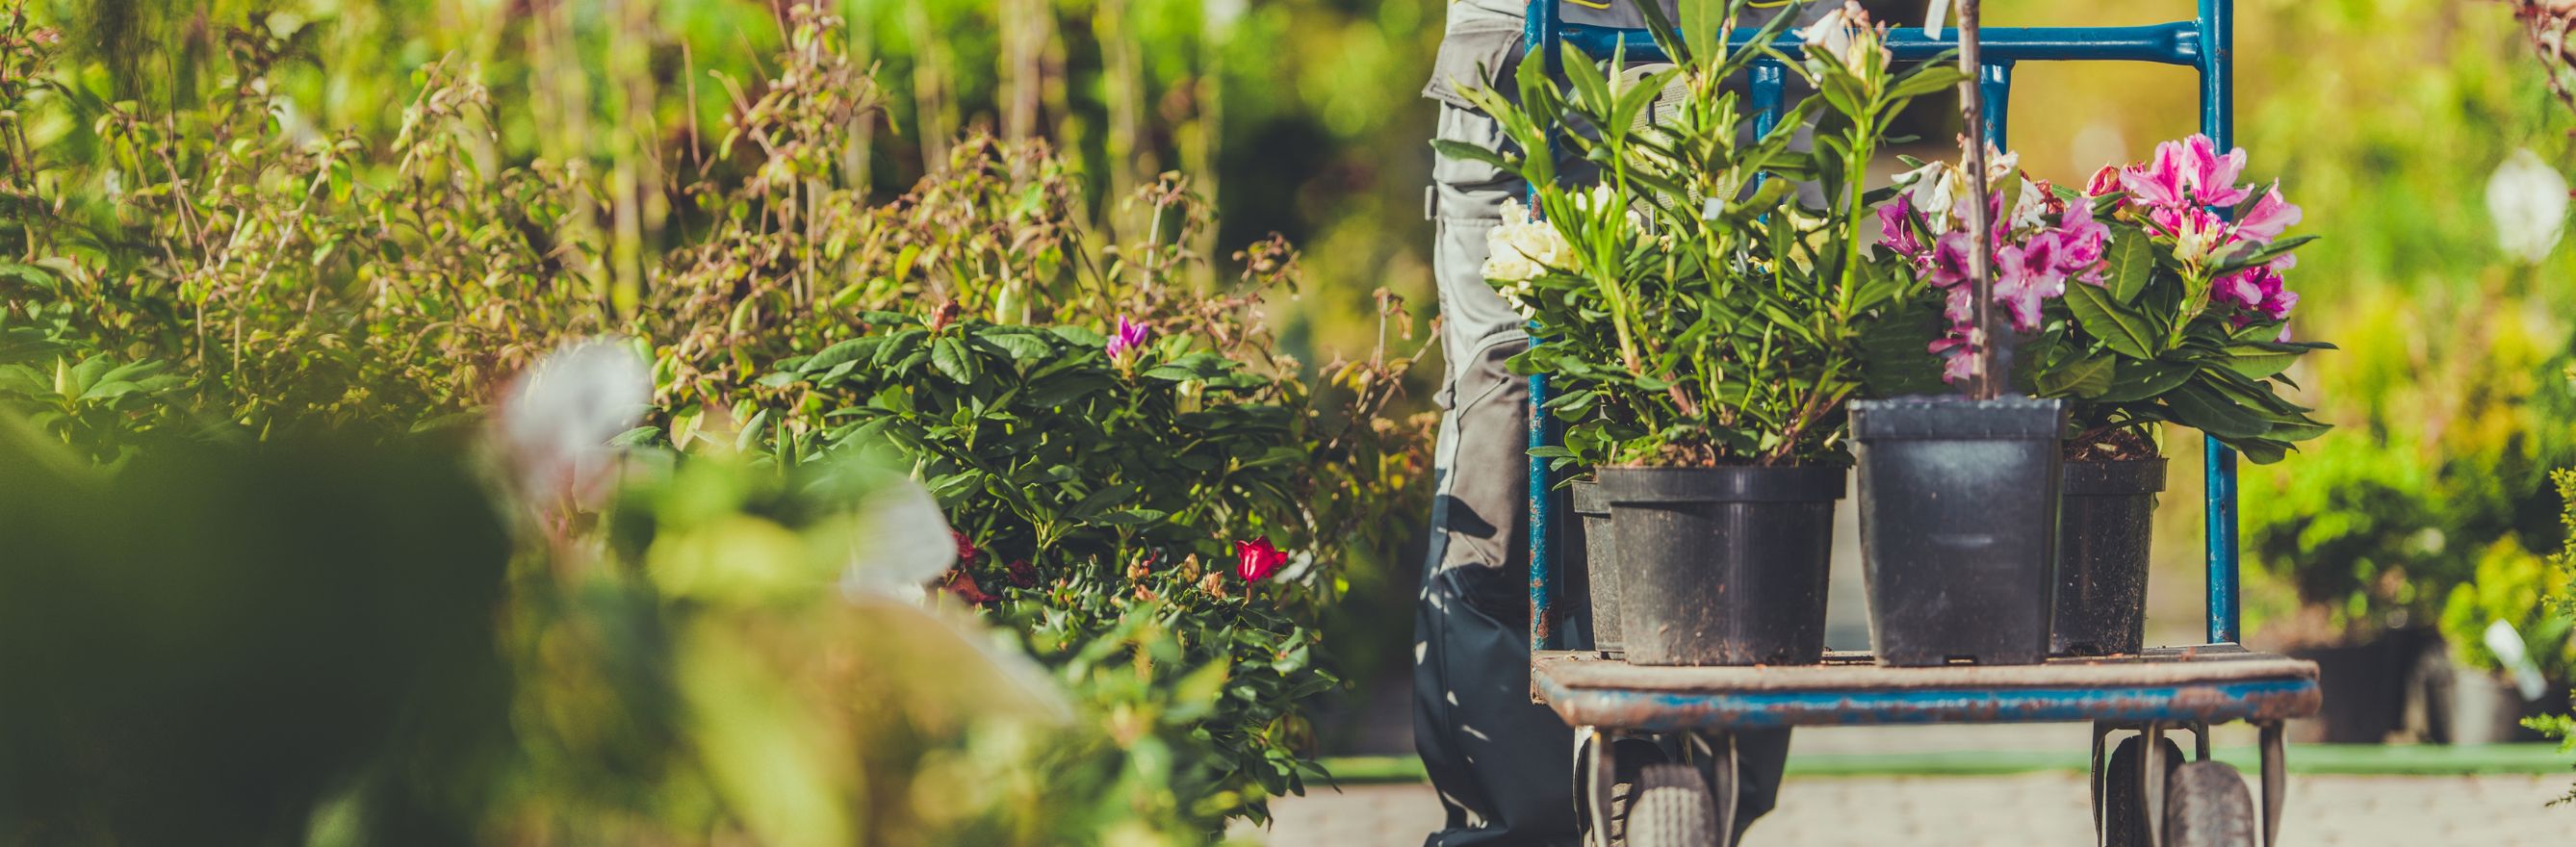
[1690, 713]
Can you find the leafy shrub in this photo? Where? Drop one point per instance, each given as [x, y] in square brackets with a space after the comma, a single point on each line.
[219, 266]
[2558, 604]
[2438, 453]
[2512, 585]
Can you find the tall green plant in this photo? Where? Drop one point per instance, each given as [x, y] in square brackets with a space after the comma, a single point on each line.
[1697, 313]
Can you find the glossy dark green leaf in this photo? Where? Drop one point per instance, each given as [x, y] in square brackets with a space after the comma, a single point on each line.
[951, 358]
[2129, 263]
[2123, 330]
[2083, 378]
[2198, 406]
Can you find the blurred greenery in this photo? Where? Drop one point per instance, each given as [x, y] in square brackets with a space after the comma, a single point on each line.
[544, 149]
[333, 641]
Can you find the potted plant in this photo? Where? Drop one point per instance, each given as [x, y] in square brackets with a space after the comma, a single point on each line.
[1706, 327]
[2140, 306]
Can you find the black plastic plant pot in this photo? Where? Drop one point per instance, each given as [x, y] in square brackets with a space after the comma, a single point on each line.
[1600, 563]
[1958, 526]
[2105, 525]
[1723, 566]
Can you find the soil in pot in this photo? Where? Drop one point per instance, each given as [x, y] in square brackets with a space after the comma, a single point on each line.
[1723, 566]
[2105, 527]
[1600, 564]
[1958, 522]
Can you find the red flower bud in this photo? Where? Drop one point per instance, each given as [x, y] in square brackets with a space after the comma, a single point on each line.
[2104, 181]
[1256, 560]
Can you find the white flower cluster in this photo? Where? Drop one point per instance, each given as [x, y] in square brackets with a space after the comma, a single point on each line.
[1938, 189]
[1520, 249]
[1847, 35]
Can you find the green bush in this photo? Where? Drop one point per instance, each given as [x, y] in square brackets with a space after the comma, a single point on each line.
[209, 264]
[2439, 453]
[335, 641]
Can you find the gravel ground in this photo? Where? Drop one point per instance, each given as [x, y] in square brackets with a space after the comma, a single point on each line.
[2025, 809]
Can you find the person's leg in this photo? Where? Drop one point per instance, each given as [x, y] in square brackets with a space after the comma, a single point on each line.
[1501, 763]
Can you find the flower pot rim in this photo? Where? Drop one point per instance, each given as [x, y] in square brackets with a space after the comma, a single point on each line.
[1724, 484]
[2111, 479]
[1959, 419]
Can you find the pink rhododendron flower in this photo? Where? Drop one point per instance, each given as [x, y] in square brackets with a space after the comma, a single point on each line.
[1949, 259]
[2257, 289]
[1129, 339]
[2029, 273]
[1956, 364]
[2189, 172]
[2081, 243]
[1256, 560]
[1895, 227]
[2269, 217]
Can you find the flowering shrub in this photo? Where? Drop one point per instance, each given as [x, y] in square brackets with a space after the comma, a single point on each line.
[226, 269]
[2138, 302]
[1692, 311]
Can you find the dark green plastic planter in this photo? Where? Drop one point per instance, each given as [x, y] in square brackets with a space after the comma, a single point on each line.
[1723, 566]
[1958, 524]
[1600, 564]
[2105, 528]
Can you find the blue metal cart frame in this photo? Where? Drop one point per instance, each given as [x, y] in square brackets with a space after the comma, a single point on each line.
[2180, 689]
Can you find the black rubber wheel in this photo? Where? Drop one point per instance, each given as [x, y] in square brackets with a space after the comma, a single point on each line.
[1673, 808]
[2206, 805]
[2124, 807]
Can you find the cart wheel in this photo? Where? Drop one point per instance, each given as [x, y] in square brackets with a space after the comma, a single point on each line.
[2124, 807]
[2206, 805]
[1673, 809]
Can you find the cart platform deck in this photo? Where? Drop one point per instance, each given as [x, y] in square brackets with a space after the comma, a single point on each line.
[2207, 683]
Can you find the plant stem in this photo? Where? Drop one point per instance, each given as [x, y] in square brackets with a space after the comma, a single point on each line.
[1984, 383]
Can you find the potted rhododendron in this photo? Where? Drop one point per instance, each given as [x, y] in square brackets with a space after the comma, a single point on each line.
[1702, 327]
[2153, 295]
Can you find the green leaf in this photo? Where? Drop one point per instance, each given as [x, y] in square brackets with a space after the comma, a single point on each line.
[2124, 331]
[950, 357]
[1022, 346]
[1078, 336]
[845, 352]
[1929, 79]
[2138, 379]
[2128, 265]
[2259, 361]
[2203, 408]
[2246, 254]
[2085, 378]
[1466, 152]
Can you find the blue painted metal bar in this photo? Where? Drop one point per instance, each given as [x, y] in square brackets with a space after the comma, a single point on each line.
[2218, 471]
[1670, 711]
[1542, 511]
[1770, 81]
[1540, 27]
[2176, 43]
[1994, 83]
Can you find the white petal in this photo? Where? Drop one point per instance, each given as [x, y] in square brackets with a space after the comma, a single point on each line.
[2528, 201]
[903, 542]
[560, 415]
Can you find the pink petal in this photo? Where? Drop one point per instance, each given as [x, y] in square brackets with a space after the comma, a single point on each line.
[2269, 217]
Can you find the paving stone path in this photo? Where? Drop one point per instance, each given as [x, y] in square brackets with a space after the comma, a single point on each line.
[2024, 810]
